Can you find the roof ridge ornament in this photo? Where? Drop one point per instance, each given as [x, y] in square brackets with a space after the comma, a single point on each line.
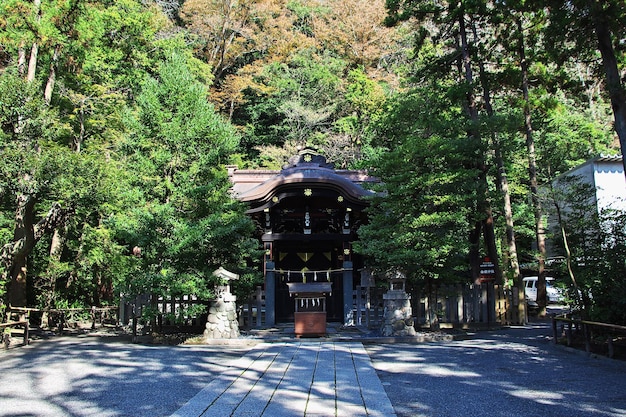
[308, 157]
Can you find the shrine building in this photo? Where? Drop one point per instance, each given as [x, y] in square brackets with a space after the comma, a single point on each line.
[306, 217]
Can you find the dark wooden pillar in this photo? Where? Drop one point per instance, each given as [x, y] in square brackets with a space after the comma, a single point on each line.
[347, 294]
[270, 294]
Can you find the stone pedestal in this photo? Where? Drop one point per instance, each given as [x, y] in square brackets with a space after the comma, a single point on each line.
[222, 321]
[397, 314]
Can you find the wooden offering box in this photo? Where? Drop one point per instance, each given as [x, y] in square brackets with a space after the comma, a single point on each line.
[310, 311]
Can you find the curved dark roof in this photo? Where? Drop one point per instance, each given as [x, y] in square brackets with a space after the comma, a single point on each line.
[308, 169]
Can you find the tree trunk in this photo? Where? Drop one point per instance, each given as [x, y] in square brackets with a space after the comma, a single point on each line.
[32, 62]
[502, 185]
[568, 261]
[27, 233]
[483, 205]
[532, 172]
[47, 95]
[518, 283]
[469, 77]
[47, 284]
[474, 252]
[34, 50]
[21, 60]
[489, 235]
[15, 254]
[56, 249]
[613, 80]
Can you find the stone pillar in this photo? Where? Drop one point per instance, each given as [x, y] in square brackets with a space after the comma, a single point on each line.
[348, 319]
[397, 314]
[270, 294]
[222, 321]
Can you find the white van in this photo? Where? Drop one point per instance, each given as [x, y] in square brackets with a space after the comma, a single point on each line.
[555, 295]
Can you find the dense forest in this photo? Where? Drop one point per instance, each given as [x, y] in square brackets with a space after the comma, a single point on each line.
[118, 117]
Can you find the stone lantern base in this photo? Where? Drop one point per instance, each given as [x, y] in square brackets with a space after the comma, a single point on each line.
[397, 314]
[222, 321]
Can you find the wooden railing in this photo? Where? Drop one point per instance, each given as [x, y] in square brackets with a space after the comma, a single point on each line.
[70, 317]
[588, 328]
[16, 321]
[62, 317]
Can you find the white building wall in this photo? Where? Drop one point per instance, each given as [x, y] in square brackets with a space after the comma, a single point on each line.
[606, 176]
[610, 184]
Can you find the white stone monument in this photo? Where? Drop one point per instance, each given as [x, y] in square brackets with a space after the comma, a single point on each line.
[222, 321]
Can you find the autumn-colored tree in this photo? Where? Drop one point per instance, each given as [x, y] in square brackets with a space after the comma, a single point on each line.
[355, 30]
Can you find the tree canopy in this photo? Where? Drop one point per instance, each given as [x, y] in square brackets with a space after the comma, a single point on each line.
[118, 118]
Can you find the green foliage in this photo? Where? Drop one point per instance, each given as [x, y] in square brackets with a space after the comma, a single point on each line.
[24, 120]
[609, 287]
[568, 136]
[130, 146]
[421, 221]
[183, 220]
[115, 47]
[65, 153]
[574, 23]
[296, 105]
[34, 163]
[313, 100]
[303, 22]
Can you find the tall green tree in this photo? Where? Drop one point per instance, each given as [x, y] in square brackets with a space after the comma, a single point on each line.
[30, 168]
[425, 206]
[593, 242]
[61, 123]
[609, 286]
[547, 88]
[294, 103]
[588, 27]
[183, 220]
[540, 235]
[448, 25]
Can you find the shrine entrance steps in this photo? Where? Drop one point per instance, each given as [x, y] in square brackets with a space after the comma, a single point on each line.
[303, 378]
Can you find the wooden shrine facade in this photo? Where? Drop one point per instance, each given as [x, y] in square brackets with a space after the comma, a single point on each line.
[307, 216]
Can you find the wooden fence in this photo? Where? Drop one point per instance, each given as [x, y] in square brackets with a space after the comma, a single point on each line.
[463, 306]
[252, 313]
[20, 320]
[446, 306]
[93, 317]
[170, 311]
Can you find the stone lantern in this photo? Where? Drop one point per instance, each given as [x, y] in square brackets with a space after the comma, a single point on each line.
[397, 313]
[222, 321]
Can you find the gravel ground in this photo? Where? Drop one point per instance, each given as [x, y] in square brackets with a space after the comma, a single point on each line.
[509, 372]
[105, 376]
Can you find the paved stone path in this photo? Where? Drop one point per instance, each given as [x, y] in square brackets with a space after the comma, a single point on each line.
[295, 379]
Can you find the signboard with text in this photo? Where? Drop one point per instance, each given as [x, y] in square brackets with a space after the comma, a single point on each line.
[487, 270]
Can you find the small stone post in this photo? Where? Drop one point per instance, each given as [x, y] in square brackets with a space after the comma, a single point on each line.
[222, 321]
